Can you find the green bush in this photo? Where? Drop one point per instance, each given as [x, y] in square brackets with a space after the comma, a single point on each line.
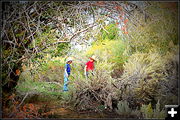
[123, 108]
[49, 71]
[149, 112]
[160, 34]
[141, 77]
[109, 32]
[157, 112]
[25, 76]
[111, 51]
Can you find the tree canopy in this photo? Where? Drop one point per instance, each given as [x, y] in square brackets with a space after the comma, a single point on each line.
[135, 43]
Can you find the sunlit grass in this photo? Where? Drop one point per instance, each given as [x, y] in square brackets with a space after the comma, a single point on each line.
[39, 87]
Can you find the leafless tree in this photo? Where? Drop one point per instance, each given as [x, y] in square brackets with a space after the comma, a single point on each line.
[24, 24]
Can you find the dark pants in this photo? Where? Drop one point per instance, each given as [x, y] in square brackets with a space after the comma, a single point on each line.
[89, 73]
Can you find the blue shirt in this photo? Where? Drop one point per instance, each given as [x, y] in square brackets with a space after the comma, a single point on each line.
[68, 68]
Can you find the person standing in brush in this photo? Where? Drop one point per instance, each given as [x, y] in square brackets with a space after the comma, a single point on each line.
[67, 72]
[89, 67]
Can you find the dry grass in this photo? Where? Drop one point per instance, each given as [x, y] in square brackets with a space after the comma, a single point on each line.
[95, 91]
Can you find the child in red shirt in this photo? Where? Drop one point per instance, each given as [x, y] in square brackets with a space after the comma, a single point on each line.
[89, 67]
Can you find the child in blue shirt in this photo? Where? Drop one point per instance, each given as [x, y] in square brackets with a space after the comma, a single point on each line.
[67, 72]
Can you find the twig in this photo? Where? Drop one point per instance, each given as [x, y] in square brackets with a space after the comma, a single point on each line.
[54, 83]
[18, 105]
[22, 100]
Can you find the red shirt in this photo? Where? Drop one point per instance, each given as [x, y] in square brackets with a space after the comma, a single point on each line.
[90, 65]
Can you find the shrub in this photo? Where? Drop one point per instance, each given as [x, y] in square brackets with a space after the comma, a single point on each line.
[25, 76]
[95, 91]
[168, 92]
[49, 71]
[157, 112]
[108, 50]
[148, 112]
[160, 34]
[109, 32]
[141, 76]
[123, 108]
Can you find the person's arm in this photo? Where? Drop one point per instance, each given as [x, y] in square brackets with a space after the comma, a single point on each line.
[85, 69]
[65, 71]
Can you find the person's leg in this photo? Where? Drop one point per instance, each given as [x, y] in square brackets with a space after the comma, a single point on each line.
[87, 74]
[65, 87]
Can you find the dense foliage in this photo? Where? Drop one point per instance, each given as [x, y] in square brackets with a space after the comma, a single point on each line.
[136, 67]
